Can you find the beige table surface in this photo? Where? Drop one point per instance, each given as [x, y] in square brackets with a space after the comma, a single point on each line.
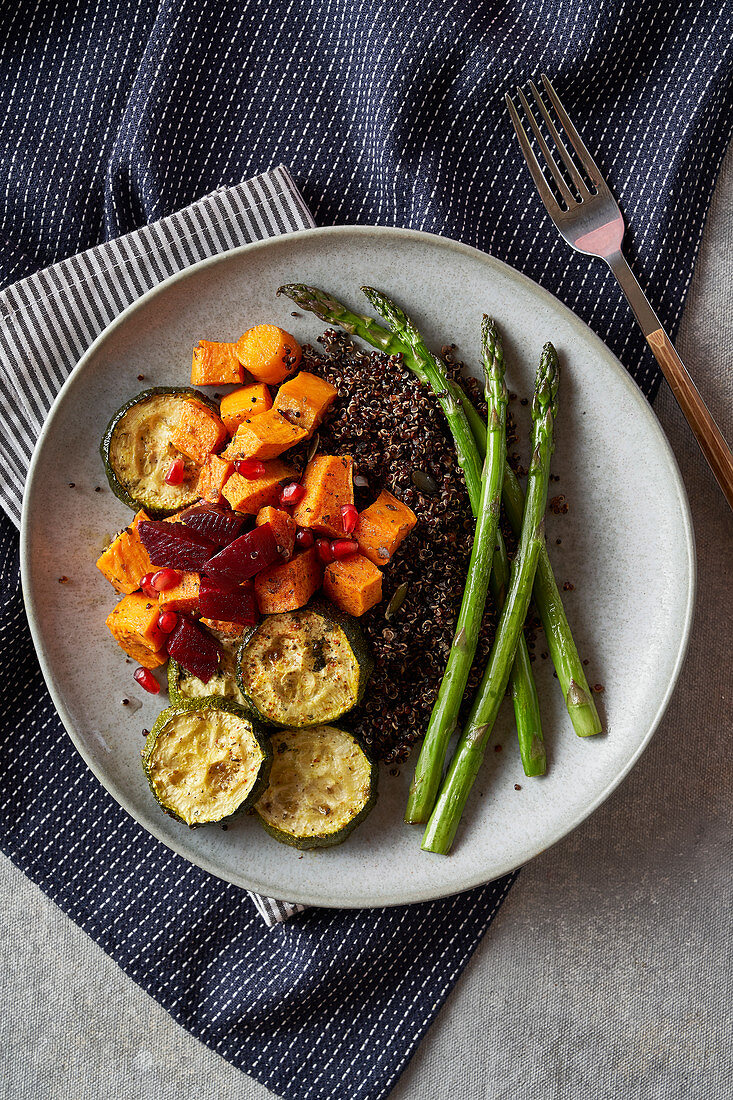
[607, 972]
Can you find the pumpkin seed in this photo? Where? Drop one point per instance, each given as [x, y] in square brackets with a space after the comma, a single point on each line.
[397, 600]
[313, 447]
[424, 482]
[361, 482]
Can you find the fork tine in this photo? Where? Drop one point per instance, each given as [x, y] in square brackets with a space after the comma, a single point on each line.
[559, 143]
[575, 139]
[562, 186]
[551, 204]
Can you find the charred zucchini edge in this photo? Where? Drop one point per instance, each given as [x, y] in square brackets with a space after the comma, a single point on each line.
[106, 444]
[220, 703]
[176, 673]
[325, 840]
[357, 643]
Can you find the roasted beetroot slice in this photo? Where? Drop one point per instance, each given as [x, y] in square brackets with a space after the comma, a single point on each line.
[244, 557]
[175, 545]
[227, 602]
[195, 651]
[213, 523]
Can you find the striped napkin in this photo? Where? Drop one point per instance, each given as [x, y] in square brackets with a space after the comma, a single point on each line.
[48, 320]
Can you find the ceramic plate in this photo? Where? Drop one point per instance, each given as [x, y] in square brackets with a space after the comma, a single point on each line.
[627, 546]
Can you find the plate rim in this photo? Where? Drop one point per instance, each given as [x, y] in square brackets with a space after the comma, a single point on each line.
[409, 895]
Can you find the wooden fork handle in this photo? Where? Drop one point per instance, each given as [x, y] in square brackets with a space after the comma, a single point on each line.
[698, 416]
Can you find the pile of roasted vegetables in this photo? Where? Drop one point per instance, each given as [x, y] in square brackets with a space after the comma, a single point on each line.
[218, 572]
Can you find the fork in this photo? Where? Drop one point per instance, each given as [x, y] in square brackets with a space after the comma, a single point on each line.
[591, 223]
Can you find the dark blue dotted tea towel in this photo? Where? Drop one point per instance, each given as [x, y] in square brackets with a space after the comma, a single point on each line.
[116, 116]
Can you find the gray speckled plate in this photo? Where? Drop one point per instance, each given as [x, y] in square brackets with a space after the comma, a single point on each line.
[627, 544]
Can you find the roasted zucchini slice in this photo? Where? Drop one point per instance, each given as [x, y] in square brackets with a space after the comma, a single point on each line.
[322, 784]
[206, 761]
[183, 685]
[137, 451]
[304, 668]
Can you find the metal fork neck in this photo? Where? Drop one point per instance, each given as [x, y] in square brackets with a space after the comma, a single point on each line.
[643, 312]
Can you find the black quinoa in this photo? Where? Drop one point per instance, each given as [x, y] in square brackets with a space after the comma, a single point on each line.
[392, 426]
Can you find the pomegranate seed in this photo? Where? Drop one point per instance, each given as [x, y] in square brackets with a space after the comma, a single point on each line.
[250, 468]
[349, 517]
[304, 538]
[292, 494]
[167, 621]
[146, 680]
[341, 548]
[174, 476]
[165, 578]
[146, 584]
[325, 552]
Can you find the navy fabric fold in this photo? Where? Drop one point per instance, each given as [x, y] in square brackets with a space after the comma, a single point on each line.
[386, 112]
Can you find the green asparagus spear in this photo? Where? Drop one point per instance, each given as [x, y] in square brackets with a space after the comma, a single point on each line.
[560, 642]
[521, 679]
[473, 416]
[444, 717]
[464, 767]
[333, 312]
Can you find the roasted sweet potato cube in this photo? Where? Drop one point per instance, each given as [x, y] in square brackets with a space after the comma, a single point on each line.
[125, 561]
[213, 478]
[239, 405]
[269, 353]
[382, 527]
[233, 630]
[133, 624]
[305, 400]
[289, 586]
[184, 596]
[250, 494]
[328, 484]
[264, 436]
[198, 432]
[215, 364]
[283, 528]
[148, 658]
[354, 584]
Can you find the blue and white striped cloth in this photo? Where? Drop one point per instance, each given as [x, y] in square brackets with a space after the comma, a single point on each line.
[114, 116]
